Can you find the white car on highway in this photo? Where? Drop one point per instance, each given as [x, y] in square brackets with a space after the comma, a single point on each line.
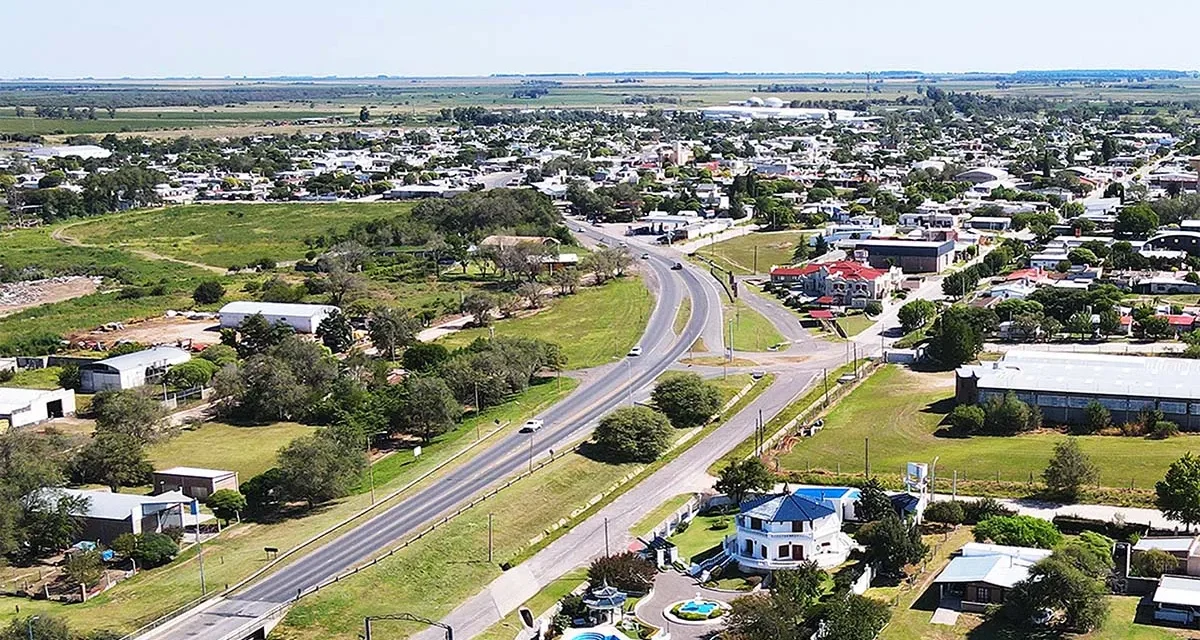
[636, 351]
[532, 425]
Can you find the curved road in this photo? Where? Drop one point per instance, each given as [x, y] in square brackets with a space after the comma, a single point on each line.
[567, 422]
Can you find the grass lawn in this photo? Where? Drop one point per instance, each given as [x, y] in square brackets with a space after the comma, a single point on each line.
[855, 324]
[238, 552]
[737, 254]
[247, 450]
[229, 234]
[45, 378]
[751, 331]
[900, 410]
[508, 628]
[592, 327]
[702, 534]
[654, 518]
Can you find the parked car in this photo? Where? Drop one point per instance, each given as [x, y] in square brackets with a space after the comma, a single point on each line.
[676, 267]
[532, 425]
[636, 351]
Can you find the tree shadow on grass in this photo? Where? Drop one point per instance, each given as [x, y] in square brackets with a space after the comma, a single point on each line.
[288, 512]
[928, 601]
[595, 453]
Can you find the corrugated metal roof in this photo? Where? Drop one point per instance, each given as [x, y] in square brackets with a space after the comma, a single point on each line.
[1085, 373]
[251, 307]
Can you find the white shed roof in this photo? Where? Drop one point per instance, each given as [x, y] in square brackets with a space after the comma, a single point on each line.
[1182, 590]
[250, 307]
[197, 472]
[144, 359]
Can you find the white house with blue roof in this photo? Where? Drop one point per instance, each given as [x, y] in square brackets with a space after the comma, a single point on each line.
[780, 531]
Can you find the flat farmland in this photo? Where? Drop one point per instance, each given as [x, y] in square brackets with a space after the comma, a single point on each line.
[223, 235]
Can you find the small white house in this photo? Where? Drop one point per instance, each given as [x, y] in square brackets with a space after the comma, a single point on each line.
[304, 318]
[131, 370]
[781, 531]
[23, 407]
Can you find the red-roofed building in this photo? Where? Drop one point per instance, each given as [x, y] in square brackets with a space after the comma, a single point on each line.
[843, 283]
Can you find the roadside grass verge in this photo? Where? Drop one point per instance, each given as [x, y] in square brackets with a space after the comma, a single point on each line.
[660, 513]
[751, 331]
[592, 327]
[239, 551]
[511, 625]
[682, 315]
[229, 234]
[900, 411]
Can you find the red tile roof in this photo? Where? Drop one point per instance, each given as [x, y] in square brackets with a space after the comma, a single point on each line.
[1180, 320]
[821, 314]
[845, 268]
[825, 300]
[1026, 273]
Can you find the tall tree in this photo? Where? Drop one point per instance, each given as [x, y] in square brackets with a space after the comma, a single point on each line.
[1070, 469]
[741, 477]
[1177, 495]
[687, 399]
[429, 408]
[390, 330]
[130, 411]
[335, 332]
[317, 469]
[113, 459]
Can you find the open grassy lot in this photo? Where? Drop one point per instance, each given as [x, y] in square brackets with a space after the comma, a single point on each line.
[737, 254]
[150, 120]
[593, 326]
[855, 323]
[228, 234]
[704, 533]
[238, 552]
[900, 410]
[751, 331]
[46, 378]
[215, 445]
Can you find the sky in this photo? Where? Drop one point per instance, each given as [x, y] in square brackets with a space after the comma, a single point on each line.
[259, 38]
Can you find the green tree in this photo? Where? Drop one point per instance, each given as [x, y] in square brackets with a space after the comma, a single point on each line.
[335, 332]
[1019, 531]
[1154, 327]
[423, 357]
[1110, 322]
[219, 354]
[1080, 324]
[134, 412]
[1008, 415]
[40, 627]
[855, 617]
[915, 313]
[112, 459]
[317, 469]
[873, 502]
[391, 329]
[226, 504]
[633, 434]
[1137, 221]
[953, 340]
[208, 292]
[1070, 469]
[51, 521]
[196, 372]
[1056, 584]
[264, 492]
[687, 399]
[480, 306]
[84, 567]
[1177, 495]
[254, 335]
[627, 571]
[1095, 418]
[429, 408]
[891, 544]
[945, 512]
[741, 477]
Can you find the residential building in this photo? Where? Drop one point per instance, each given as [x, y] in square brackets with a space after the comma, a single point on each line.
[1177, 599]
[23, 407]
[304, 318]
[131, 370]
[1186, 550]
[781, 531]
[194, 482]
[983, 574]
[846, 283]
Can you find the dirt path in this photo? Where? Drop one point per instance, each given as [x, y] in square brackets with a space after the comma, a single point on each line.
[60, 235]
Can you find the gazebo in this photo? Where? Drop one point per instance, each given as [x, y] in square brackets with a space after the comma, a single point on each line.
[606, 602]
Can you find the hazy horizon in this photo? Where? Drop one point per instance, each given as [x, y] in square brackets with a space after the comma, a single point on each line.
[137, 39]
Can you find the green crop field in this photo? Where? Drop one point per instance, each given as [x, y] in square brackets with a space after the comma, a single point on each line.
[738, 254]
[593, 326]
[899, 411]
[227, 234]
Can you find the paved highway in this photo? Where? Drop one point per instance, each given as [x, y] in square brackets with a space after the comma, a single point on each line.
[566, 423]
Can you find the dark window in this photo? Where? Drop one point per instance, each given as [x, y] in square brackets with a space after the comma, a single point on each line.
[797, 526]
[785, 551]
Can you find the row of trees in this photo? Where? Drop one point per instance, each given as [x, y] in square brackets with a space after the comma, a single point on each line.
[642, 434]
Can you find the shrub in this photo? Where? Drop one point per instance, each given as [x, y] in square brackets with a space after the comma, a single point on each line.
[873, 308]
[633, 434]
[977, 511]
[1164, 429]
[946, 512]
[967, 418]
[1019, 531]
[208, 292]
[1153, 563]
[627, 571]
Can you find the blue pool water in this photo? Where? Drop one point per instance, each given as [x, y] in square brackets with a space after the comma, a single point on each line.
[592, 635]
[702, 608]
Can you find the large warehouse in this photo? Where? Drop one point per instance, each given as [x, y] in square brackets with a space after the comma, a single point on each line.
[304, 318]
[130, 370]
[913, 256]
[1062, 385]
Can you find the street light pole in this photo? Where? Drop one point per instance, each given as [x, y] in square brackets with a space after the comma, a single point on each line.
[29, 625]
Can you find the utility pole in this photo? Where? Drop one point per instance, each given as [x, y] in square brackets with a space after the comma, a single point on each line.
[477, 437]
[371, 467]
[531, 452]
[825, 376]
[606, 553]
[491, 545]
[867, 457]
[756, 259]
